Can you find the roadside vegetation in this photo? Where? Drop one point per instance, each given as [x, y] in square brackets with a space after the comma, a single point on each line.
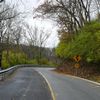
[14, 58]
[79, 34]
[85, 43]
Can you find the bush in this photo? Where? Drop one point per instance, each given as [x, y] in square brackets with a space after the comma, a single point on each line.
[13, 59]
[43, 61]
[34, 61]
[5, 64]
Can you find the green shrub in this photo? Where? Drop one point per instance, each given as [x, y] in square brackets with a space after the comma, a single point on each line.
[13, 59]
[52, 64]
[34, 61]
[43, 61]
[5, 64]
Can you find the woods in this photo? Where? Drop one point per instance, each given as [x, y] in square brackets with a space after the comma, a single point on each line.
[19, 42]
[75, 21]
[7, 16]
[86, 44]
[79, 32]
[69, 14]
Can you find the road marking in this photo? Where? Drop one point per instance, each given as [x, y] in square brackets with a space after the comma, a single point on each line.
[51, 90]
[98, 86]
[71, 76]
[93, 82]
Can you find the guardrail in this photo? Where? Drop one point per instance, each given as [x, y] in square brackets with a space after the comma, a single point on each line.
[5, 73]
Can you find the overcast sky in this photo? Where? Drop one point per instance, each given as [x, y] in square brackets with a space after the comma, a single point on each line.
[28, 6]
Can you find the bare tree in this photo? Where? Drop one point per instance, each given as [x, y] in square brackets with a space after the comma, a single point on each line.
[71, 15]
[1, 1]
[98, 8]
[7, 17]
[36, 38]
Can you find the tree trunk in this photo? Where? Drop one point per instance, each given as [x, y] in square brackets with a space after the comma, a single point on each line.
[0, 54]
[0, 59]
[40, 55]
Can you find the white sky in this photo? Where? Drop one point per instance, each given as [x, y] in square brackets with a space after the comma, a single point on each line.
[28, 6]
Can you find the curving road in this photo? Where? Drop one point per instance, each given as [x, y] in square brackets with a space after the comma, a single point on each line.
[28, 84]
[70, 88]
[25, 84]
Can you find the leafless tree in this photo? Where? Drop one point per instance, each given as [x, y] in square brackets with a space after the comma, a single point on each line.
[98, 8]
[71, 15]
[7, 17]
[36, 38]
[1, 1]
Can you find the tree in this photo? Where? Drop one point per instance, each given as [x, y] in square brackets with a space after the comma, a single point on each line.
[98, 8]
[7, 16]
[37, 38]
[71, 15]
[86, 44]
[1, 1]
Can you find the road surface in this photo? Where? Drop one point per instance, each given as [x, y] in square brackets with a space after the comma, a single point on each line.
[28, 84]
[25, 84]
[70, 88]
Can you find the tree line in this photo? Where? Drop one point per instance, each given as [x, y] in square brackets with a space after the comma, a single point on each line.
[19, 42]
[79, 27]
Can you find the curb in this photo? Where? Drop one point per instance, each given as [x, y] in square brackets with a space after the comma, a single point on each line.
[51, 90]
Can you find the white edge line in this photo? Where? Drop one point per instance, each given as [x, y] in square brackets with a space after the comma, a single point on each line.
[90, 81]
[51, 90]
[84, 79]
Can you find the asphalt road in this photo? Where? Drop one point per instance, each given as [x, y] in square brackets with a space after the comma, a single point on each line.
[25, 84]
[70, 88]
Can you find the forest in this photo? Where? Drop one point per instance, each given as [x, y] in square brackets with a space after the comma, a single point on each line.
[79, 34]
[20, 43]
